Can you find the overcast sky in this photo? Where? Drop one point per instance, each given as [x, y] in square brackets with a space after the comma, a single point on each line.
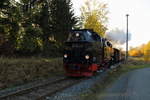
[139, 19]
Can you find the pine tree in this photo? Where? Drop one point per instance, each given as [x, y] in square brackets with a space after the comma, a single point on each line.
[62, 19]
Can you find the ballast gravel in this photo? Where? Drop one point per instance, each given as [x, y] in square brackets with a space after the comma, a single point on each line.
[73, 93]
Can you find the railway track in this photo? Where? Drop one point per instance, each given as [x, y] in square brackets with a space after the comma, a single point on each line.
[41, 89]
[38, 91]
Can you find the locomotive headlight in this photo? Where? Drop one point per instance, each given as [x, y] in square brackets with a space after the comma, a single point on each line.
[77, 34]
[87, 57]
[65, 55]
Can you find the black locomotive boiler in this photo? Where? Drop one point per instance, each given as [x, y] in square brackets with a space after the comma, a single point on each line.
[86, 52]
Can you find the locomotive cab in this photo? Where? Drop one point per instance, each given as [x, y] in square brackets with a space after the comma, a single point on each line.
[82, 53]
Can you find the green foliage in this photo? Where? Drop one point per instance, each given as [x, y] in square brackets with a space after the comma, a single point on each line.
[35, 27]
[62, 18]
[31, 40]
[9, 18]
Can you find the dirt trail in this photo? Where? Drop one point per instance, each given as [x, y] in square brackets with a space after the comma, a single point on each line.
[134, 85]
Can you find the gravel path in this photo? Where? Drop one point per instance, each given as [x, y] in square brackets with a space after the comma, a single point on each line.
[73, 93]
[134, 85]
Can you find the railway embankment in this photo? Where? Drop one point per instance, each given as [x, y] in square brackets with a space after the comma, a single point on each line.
[87, 89]
[62, 90]
[18, 71]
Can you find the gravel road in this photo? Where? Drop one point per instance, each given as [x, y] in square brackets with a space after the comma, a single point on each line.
[133, 85]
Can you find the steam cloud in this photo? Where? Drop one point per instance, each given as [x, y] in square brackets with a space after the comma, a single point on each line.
[117, 36]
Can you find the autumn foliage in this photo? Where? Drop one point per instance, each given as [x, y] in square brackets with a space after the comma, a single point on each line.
[143, 50]
[94, 16]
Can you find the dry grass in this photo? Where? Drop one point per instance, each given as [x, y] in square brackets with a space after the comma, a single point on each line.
[15, 71]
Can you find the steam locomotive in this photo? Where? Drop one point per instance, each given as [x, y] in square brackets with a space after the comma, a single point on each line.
[86, 53]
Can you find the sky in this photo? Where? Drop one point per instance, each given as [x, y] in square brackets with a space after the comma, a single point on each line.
[139, 18]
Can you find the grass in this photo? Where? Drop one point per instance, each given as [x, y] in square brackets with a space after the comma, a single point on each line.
[113, 75]
[16, 71]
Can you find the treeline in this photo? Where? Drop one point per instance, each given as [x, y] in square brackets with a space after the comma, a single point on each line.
[141, 51]
[31, 27]
[40, 27]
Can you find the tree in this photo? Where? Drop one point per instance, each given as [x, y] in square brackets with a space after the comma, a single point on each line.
[143, 50]
[9, 17]
[30, 33]
[94, 16]
[147, 52]
[135, 52]
[35, 25]
[44, 23]
[31, 42]
[62, 19]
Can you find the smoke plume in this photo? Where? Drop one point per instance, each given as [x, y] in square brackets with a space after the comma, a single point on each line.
[117, 36]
